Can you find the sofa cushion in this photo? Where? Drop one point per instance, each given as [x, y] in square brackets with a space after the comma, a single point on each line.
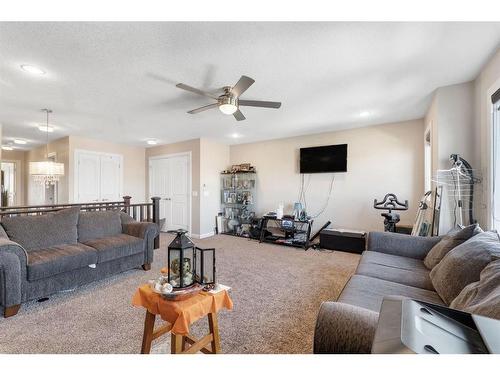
[126, 218]
[115, 247]
[482, 297]
[58, 259]
[448, 243]
[43, 231]
[98, 224]
[368, 292]
[402, 270]
[461, 266]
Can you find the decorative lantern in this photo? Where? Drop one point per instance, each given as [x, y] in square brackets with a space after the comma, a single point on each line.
[205, 266]
[181, 265]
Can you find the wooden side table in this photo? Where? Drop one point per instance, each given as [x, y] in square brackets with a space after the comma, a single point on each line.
[179, 316]
[182, 344]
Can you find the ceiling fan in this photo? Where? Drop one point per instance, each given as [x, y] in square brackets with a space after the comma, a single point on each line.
[229, 102]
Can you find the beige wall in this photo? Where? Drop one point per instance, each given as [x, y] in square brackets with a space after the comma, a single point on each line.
[451, 118]
[214, 158]
[134, 171]
[381, 159]
[461, 123]
[485, 85]
[192, 146]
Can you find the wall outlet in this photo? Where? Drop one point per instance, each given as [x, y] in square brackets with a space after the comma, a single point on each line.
[195, 193]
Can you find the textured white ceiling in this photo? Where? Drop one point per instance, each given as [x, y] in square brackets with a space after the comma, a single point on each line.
[116, 81]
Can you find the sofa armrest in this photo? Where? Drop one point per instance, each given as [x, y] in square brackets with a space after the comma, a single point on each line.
[147, 231]
[140, 229]
[401, 244]
[13, 261]
[342, 328]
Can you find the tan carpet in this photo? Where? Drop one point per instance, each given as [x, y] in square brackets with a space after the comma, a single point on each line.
[276, 293]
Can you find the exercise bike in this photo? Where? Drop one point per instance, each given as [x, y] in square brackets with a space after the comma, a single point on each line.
[390, 203]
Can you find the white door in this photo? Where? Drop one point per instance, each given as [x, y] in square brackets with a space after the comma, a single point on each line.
[88, 175]
[179, 193]
[110, 178]
[97, 177]
[159, 184]
[170, 180]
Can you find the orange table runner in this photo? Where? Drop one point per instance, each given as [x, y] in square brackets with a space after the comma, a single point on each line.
[181, 314]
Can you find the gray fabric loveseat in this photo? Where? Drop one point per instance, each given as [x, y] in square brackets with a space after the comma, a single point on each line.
[41, 255]
[395, 265]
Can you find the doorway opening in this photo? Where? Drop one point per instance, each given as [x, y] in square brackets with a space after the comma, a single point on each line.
[9, 171]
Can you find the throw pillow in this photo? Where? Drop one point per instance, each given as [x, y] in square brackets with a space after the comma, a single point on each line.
[449, 242]
[98, 224]
[483, 296]
[41, 232]
[461, 266]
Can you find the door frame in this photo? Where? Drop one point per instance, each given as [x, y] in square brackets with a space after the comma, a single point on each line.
[77, 153]
[190, 182]
[18, 181]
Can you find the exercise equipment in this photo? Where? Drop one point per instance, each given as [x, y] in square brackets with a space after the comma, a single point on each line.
[390, 203]
[319, 231]
[458, 188]
[464, 169]
[422, 225]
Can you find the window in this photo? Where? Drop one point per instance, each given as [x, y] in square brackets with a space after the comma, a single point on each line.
[496, 160]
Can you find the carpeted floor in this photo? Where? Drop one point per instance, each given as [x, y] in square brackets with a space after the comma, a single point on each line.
[276, 293]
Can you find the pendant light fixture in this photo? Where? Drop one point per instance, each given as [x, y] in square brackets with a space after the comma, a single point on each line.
[47, 171]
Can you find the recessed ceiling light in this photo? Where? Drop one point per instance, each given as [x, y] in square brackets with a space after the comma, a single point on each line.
[364, 114]
[20, 141]
[33, 69]
[7, 148]
[44, 128]
[235, 135]
[152, 142]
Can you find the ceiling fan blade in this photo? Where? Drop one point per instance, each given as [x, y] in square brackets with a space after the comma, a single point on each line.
[238, 115]
[204, 108]
[195, 90]
[242, 85]
[259, 103]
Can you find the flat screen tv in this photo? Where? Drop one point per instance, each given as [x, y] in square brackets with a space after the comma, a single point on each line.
[323, 159]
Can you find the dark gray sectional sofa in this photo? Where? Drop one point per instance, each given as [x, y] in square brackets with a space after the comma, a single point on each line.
[41, 255]
[393, 265]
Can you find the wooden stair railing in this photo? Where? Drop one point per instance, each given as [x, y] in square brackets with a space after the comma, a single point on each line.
[149, 212]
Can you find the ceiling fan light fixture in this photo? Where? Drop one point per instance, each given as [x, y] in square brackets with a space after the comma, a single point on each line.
[228, 109]
[228, 104]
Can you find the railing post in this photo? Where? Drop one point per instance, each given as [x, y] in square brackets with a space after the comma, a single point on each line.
[156, 219]
[126, 202]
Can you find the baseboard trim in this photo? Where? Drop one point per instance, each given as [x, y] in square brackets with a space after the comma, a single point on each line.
[202, 236]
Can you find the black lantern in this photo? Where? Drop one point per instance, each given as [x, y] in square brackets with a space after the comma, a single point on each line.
[205, 266]
[181, 262]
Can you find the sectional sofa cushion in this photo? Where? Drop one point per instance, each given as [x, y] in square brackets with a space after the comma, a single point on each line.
[98, 224]
[368, 292]
[407, 271]
[44, 231]
[449, 242]
[58, 259]
[461, 266]
[483, 296]
[114, 247]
